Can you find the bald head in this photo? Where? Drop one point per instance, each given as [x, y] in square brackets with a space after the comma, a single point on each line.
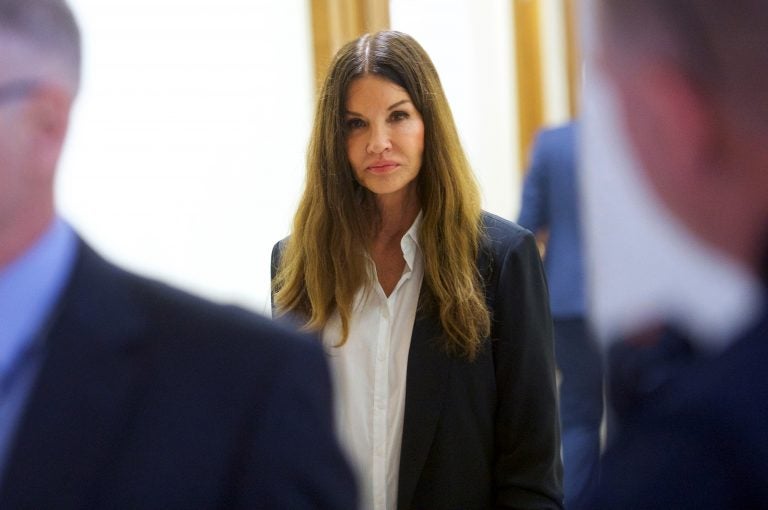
[40, 39]
[721, 45]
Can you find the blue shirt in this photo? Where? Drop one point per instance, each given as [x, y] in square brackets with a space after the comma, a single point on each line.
[30, 286]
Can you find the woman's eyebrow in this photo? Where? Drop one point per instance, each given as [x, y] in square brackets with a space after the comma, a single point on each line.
[398, 104]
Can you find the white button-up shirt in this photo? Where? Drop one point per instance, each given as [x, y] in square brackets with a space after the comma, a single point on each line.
[369, 373]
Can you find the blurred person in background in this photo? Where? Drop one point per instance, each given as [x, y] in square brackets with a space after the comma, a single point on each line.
[550, 209]
[434, 314]
[692, 402]
[117, 391]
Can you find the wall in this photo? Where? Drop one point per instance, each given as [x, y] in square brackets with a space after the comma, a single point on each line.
[186, 155]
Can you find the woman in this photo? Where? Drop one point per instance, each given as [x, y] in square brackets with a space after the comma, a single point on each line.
[434, 313]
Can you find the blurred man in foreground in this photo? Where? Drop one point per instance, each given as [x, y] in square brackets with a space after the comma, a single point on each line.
[120, 392]
[691, 80]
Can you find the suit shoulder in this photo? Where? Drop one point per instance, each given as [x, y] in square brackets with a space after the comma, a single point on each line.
[180, 320]
[279, 246]
[498, 230]
[277, 254]
[201, 318]
[558, 134]
[554, 142]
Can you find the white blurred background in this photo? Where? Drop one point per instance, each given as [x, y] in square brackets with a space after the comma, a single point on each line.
[186, 155]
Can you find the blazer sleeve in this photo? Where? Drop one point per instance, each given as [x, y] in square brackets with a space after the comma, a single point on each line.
[534, 212]
[528, 469]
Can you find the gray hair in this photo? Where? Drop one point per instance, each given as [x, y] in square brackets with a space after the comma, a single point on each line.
[48, 27]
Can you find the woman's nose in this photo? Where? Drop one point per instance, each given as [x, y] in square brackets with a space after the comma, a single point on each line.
[378, 141]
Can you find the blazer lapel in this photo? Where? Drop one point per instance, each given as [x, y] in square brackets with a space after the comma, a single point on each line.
[79, 405]
[426, 380]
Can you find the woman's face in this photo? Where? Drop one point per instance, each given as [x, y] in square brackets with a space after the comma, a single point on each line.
[384, 135]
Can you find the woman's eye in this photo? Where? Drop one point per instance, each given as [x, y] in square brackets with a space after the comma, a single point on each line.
[399, 115]
[354, 123]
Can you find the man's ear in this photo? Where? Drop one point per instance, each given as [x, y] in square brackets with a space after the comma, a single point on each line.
[49, 110]
[669, 119]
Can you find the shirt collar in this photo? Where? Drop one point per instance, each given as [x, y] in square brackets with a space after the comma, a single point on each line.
[410, 241]
[409, 244]
[30, 287]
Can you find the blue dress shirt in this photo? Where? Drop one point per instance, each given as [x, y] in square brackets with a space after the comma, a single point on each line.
[29, 289]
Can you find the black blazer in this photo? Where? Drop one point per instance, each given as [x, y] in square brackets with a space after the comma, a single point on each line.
[151, 398]
[692, 431]
[485, 434]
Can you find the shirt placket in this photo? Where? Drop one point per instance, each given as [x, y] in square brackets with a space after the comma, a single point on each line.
[380, 399]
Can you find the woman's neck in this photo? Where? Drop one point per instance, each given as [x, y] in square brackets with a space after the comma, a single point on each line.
[397, 212]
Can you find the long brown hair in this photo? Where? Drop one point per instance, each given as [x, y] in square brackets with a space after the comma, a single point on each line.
[324, 262]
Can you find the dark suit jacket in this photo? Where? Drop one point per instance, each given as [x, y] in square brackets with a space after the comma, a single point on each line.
[693, 426]
[485, 434]
[152, 398]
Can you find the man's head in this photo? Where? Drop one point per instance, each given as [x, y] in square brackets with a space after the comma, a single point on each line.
[691, 77]
[39, 79]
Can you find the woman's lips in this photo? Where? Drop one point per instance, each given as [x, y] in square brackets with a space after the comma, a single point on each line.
[383, 167]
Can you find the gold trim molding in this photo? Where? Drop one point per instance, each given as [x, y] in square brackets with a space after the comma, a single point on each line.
[336, 22]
